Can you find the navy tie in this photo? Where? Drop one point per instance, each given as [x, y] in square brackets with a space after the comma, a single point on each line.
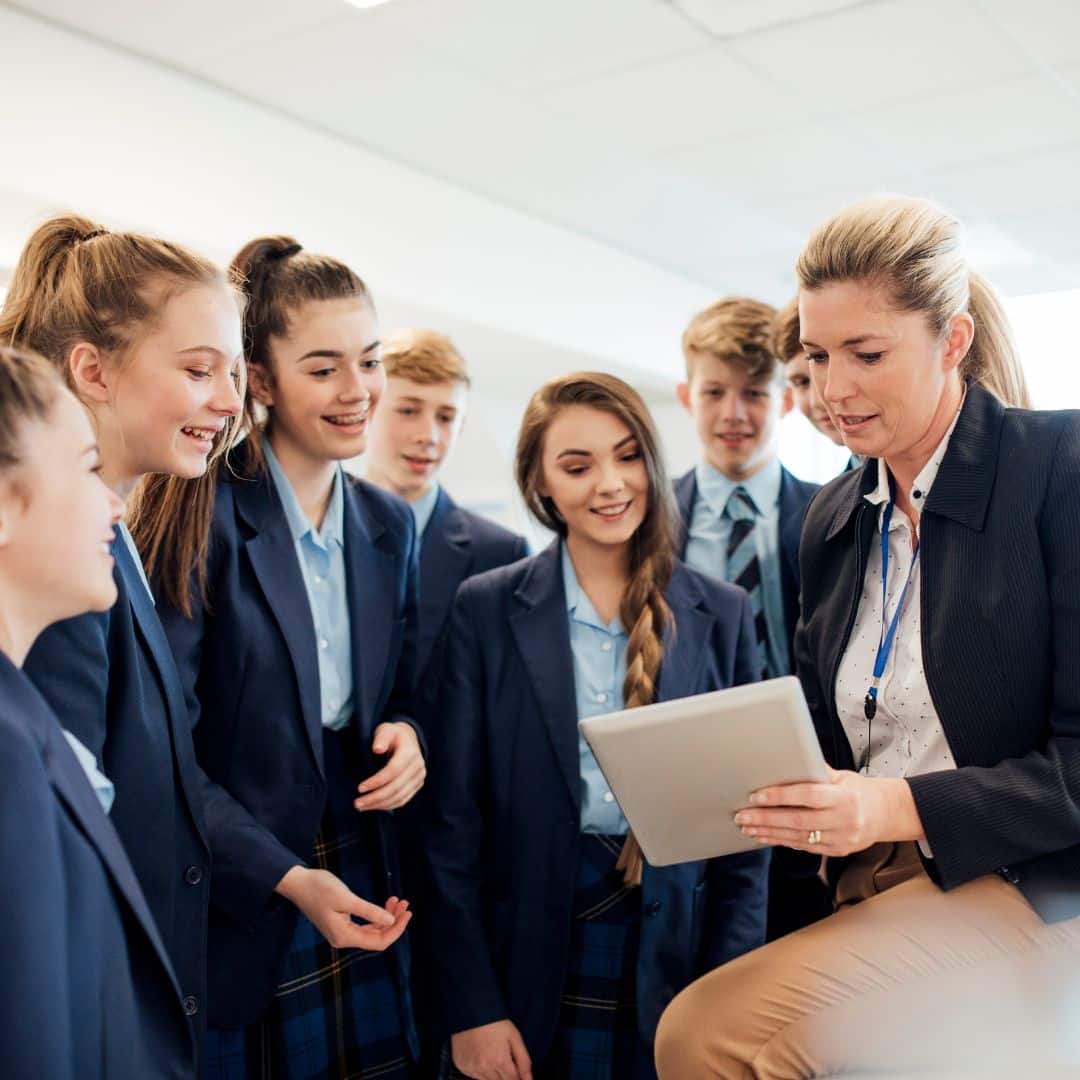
[744, 567]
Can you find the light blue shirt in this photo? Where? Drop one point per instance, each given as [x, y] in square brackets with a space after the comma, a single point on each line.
[321, 555]
[599, 652]
[102, 785]
[422, 510]
[706, 548]
[136, 558]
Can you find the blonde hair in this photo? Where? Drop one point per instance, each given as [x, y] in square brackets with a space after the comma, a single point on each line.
[736, 329]
[29, 387]
[652, 549]
[423, 356]
[912, 248]
[786, 341]
[77, 281]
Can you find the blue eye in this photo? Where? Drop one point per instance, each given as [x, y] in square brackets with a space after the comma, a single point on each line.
[817, 357]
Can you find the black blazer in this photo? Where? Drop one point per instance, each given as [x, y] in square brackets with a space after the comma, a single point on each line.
[250, 669]
[795, 496]
[1000, 596]
[112, 681]
[505, 828]
[456, 545]
[88, 991]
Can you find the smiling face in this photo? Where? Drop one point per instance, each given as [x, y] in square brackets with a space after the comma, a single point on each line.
[326, 381]
[413, 433]
[736, 416]
[593, 470]
[57, 518]
[890, 384]
[805, 398]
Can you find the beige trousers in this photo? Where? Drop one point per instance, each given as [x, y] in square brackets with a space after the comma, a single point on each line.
[911, 981]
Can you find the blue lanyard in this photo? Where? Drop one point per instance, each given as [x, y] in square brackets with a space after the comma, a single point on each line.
[885, 641]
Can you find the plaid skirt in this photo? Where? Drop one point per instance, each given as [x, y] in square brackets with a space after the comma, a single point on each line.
[597, 1036]
[337, 1014]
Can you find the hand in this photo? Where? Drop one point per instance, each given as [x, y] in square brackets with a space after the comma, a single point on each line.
[850, 811]
[491, 1052]
[331, 905]
[401, 777]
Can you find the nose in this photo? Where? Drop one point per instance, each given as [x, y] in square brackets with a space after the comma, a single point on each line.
[733, 408]
[429, 431]
[832, 381]
[116, 508]
[610, 478]
[228, 396]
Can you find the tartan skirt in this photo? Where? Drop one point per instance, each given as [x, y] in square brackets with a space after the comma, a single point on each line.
[338, 1014]
[597, 1036]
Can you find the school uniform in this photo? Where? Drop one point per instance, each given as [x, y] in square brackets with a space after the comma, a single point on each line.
[533, 921]
[713, 508]
[112, 680]
[306, 645]
[88, 991]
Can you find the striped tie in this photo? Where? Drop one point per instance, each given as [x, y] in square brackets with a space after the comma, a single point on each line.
[743, 567]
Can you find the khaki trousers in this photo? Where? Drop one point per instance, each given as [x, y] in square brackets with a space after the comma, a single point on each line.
[904, 979]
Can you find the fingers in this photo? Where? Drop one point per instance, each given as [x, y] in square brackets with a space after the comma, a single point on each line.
[521, 1059]
[390, 772]
[794, 820]
[369, 912]
[371, 938]
[386, 738]
[396, 793]
[812, 795]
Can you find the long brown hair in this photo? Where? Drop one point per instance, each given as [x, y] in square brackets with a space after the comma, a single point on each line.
[914, 249]
[652, 548]
[77, 281]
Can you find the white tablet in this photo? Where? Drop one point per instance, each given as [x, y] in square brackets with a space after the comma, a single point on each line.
[680, 769]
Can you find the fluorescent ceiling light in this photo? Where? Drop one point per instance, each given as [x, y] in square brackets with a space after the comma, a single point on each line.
[729, 18]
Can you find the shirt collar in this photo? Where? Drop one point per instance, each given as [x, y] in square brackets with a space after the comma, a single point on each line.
[333, 526]
[424, 507]
[920, 489]
[578, 604]
[763, 487]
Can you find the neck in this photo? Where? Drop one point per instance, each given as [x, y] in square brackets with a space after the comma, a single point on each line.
[738, 476]
[20, 624]
[382, 478]
[602, 571]
[118, 471]
[312, 479]
[907, 464]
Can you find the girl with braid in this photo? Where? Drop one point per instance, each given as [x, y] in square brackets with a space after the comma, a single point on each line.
[558, 947]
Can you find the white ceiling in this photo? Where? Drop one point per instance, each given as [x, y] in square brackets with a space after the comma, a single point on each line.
[668, 130]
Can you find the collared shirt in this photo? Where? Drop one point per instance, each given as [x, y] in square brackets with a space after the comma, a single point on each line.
[422, 509]
[707, 544]
[129, 542]
[599, 651]
[321, 555]
[102, 785]
[906, 736]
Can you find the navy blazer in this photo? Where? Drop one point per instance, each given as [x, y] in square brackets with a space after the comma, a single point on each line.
[1000, 610]
[456, 545]
[89, 992]
[505, 829]
[112, 681]
[250, 669]
[795, 496]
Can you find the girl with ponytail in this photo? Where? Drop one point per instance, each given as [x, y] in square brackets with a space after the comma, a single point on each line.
[295, 649]
[556, 945]
[147, 336]
[937, 647]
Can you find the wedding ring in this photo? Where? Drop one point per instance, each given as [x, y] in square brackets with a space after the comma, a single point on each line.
[813, 837]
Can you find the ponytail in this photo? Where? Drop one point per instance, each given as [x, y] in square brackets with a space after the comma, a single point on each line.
[993, 360]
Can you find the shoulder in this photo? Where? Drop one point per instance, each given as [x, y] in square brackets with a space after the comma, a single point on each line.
[494, 587]
[490, 535]
[1040, 431]
[684, 485]
[390, 511]
[801, 491]
[827, 500]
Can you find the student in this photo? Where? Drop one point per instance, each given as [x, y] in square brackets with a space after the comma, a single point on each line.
[88, 992]
[147, 336]
[800, 388]
[558, 947]
[742, 515]
[412, 436]
[937, 646]
[297, 657]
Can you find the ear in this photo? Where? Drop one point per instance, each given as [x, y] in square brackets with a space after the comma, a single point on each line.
[682, 392]
[13, 504]
[959, 335]
[260, 385]
[87, 367]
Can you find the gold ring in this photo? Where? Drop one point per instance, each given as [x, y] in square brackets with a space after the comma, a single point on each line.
[813, 837]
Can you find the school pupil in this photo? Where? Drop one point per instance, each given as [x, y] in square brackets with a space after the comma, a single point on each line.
[297, 652]
[559, 946]
[147, 336]
[742, 514]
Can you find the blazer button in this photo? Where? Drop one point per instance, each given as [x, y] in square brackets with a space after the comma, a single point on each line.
[191, 1005]
[193, 875]
[653, 908]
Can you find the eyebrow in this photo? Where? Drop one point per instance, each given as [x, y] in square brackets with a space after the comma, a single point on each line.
[846, 344]
[336, 354]
[588, 453]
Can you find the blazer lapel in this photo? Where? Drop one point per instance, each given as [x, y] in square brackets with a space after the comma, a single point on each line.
[685, 495]
[683, 646]
[371, 580]
[542, 637]
[272, 552]
[445, 558]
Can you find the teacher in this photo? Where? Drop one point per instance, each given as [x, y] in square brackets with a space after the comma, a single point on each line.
[939, 649]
